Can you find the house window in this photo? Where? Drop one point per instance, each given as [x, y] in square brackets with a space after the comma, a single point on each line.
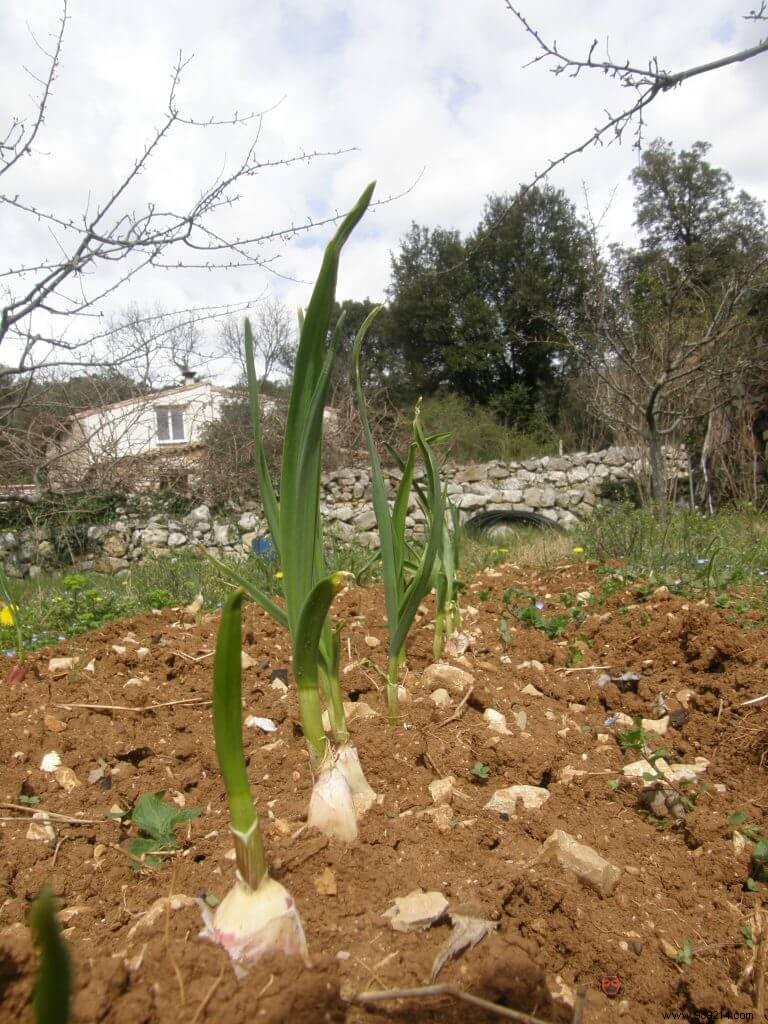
[170, 422]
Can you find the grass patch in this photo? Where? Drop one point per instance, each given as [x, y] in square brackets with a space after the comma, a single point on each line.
[55, 607]
[689, 552]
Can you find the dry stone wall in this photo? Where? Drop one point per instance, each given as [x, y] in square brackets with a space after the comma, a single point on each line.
[564, 489]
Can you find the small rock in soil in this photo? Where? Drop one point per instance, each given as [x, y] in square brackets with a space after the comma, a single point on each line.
[50, 762]
[496, 721]
[441, 790]
[372, 642]
[504, 801]
[440, 698]
[583, 861]
[53, 724]
[41, 830]
[442, 816]
[658, 726]
[662, 803]
[531, 690]
[417, 911]
[60, 666]
[67, 779]
[325, 883]
[536, 665]
[246, 661]
[453, 679]
[466, 933]
[262, 724]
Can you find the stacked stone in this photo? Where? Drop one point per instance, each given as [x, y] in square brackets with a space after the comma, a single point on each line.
[564, 489]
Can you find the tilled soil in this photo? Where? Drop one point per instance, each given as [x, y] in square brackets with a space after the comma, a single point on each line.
[138, 957]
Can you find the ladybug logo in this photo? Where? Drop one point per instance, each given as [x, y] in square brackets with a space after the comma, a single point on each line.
[611, 985]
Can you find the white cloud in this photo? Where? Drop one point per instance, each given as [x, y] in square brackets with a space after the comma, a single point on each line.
[439, 86]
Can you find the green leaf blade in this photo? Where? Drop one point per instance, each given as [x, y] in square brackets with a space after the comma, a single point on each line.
[53, 990]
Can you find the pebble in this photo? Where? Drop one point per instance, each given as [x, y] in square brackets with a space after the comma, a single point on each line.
[41, 830]
[496, 721]
[441, 790]
[440, 698]
[447, 677]
[586, 863]
[67, 779]
[372, 642]
[416, 911]
[60, 666]
[50, 762]
[505, 801]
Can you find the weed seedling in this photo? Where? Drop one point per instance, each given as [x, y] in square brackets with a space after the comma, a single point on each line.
[686, 953]
[741, 822]
[479, 772]
[157, 822]
[638, 740]
[759, 865]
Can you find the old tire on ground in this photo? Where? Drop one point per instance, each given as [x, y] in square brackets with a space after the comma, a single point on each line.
[491, 523]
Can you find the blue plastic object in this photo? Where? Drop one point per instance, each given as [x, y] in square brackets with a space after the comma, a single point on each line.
[263, 546]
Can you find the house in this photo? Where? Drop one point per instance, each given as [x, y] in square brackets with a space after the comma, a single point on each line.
[149, 441]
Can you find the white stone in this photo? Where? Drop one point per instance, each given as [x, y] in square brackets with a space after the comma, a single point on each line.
[583, 861]
[440, 698]
[416, 911]
[176, 540]
[41, 830]
[50, 762]
[441, 790]
[263, 724]
[60, 666]
[496, 721]
[67, 779]
[504, 801]
[454, 679]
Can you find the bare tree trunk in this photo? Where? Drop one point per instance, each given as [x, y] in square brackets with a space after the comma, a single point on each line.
[658, 468]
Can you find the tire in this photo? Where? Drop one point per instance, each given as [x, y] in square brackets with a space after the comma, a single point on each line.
[487, 523]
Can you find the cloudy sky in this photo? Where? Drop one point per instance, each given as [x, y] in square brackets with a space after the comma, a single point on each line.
[431, 96]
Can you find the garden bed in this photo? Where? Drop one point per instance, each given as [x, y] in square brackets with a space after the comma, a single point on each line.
[679, 928]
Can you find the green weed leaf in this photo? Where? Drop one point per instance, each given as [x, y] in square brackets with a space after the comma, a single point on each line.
[158, 819]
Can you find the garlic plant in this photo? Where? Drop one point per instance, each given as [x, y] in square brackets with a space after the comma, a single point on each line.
[258, 915]
[296, 529]
[403, 591]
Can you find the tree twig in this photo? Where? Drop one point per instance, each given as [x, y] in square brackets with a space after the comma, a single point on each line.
[187, 701]
[429, 991]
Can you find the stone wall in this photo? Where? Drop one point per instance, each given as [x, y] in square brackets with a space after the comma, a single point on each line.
[564, 489]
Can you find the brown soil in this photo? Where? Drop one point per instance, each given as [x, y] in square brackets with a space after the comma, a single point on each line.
[678, 883]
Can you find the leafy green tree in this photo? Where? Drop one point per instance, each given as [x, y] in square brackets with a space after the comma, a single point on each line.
[690, 212]
[437, 318]
[533, 266]
[381, 365]
[492, 317]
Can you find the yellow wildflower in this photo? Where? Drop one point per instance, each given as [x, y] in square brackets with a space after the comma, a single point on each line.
[6, 616]
[278, 575]
[578, 551]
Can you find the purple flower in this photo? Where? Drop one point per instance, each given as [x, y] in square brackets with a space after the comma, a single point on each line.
[539, 605]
